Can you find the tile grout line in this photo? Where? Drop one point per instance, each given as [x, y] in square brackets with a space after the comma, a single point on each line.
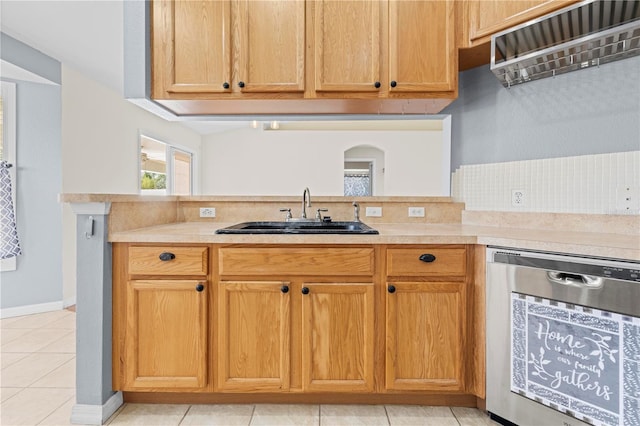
[454, 416]
[57, 408]
[252, 412]
[12, 396]
[386, 412]
[185, 414]
[51, 372]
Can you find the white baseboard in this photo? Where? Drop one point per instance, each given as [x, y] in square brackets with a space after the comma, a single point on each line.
[69, 302]
[31, 309]
[84, 414]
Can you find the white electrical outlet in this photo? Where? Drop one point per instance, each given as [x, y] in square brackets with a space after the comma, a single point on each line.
[374, 211]
[517, 197]
[207, 212]
[416, 211]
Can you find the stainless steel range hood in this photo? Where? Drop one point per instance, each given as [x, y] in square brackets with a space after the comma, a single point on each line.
[589, 33]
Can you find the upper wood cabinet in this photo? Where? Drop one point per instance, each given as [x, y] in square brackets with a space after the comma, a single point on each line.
[269, 44]
[352, 56]
[227, 47]
[487, 17]
[347, 40]
[422, 49]
[389, 47]
[191, 47]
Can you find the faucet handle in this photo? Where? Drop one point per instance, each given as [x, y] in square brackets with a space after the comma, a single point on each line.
[356, 212]
[288, 216]
[319, 214]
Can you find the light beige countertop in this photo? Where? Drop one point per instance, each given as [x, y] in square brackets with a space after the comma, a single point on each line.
[175, 219]
[596, 244]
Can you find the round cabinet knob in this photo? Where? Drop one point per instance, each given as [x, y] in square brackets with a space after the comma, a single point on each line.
[391, 289]
[376, 84]
[427, 257]
[167, 256]
[225, 85]
[284, 289]
[394, 83]
[241, 84]
[199, 288]
[305, 290]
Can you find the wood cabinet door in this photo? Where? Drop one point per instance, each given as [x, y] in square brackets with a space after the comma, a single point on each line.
[166, 334]
[425, 336]
[191, 46]
[253, 336]
[487, 17]
[337, 333]
[422, 50]
[270, 45]
[348, 37]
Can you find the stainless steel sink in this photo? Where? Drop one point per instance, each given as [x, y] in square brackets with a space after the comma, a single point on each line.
[295, 227]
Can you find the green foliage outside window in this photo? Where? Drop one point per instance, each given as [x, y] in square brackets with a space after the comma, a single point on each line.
[153, 181]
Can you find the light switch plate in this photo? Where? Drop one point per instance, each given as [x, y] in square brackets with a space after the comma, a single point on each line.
[374, 211]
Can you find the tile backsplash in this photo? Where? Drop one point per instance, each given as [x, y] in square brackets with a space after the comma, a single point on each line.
[599, 184]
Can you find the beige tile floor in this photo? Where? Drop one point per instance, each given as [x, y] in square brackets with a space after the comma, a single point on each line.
[38, 388]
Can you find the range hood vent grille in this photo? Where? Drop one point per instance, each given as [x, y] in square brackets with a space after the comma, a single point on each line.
[589, 33]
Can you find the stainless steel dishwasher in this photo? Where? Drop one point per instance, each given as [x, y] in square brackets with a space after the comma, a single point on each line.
[563, 339]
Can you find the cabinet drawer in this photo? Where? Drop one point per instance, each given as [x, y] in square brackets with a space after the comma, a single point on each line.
[296, 261]
[178, 260]
[437, 261]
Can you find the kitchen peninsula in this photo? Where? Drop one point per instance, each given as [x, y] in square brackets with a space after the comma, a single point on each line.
[301, 318]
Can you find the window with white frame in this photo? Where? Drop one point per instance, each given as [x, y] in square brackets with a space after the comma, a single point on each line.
[8, 147]
[164, 169]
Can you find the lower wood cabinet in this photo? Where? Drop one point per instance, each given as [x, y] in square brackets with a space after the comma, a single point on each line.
[425, 335]
[254, 332]
[255, 327]
[165, 344]
[395, 321]
[337, 337]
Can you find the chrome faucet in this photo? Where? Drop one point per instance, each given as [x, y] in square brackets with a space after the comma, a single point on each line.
[306, 202]
[356, 212]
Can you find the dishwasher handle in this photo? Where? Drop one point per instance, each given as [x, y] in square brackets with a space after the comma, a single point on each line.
[575, 280]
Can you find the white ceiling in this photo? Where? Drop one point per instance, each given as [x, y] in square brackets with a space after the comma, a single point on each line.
[86, 35]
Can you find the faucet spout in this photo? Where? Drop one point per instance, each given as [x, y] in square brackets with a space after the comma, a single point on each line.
[356, 212]
[306, 202]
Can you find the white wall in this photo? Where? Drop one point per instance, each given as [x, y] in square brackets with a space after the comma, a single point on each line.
[260, 162]
[100, 149]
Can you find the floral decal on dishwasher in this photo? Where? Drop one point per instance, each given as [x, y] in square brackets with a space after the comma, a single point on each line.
[581, 361]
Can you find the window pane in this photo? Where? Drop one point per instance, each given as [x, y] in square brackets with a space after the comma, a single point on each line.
[153, 167]
[181, 172]
[357, 185]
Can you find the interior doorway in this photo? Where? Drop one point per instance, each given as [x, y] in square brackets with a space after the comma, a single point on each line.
[363, 171]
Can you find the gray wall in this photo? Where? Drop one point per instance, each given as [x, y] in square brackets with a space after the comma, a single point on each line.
[591, 111]
[38, 278]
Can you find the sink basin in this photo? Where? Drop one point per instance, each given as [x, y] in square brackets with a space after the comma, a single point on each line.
[298, 228]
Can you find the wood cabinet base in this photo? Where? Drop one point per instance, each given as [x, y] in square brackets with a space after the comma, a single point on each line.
[423, 398]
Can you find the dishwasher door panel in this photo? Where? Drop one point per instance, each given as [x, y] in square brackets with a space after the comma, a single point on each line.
[503, 279]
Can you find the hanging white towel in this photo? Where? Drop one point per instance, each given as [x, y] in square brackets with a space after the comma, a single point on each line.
[9, 245]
